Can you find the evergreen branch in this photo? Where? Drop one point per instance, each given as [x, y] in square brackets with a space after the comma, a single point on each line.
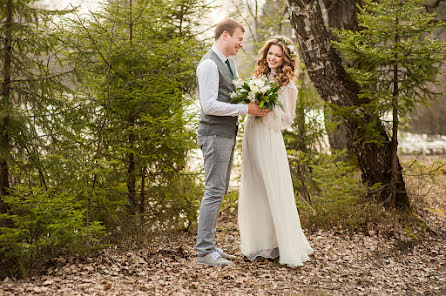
[56, 75]
[93, 40]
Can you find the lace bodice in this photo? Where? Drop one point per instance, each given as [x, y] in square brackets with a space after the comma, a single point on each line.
[278, 119]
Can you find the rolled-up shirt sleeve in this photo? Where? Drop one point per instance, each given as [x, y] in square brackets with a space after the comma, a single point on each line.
[208, 81]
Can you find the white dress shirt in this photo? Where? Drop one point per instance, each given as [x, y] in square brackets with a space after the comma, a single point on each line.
[207, 74]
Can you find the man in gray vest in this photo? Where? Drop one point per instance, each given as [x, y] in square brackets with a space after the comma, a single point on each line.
[217, 132]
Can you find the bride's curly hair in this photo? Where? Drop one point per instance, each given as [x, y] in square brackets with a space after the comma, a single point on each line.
[287, 71]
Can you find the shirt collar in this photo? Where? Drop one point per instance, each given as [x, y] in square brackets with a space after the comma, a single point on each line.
[219, 54]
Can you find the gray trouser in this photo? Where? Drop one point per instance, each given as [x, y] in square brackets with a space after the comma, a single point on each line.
[217, 154]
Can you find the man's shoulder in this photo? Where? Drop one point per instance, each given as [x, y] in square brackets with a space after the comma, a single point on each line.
[206, 64]
[207, 55]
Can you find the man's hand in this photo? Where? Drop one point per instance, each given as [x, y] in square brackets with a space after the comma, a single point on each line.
[253, 109]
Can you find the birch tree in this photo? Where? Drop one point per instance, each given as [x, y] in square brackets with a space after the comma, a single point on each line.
[402, 61]
[338, 89]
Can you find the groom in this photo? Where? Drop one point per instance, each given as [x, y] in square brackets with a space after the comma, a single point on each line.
[217, 132]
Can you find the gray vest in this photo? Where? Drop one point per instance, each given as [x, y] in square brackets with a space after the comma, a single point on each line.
[211, 125]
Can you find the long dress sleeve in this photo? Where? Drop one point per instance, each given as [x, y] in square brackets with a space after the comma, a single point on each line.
[288, 99]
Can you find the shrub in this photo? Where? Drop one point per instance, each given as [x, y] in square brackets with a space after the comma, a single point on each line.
[337, 195]
[43, 224]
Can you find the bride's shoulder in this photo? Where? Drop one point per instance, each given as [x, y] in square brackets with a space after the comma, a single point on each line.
[290, 85]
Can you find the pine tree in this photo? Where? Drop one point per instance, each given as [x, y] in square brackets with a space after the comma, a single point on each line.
[39, 122]
[117, 134]
[396, 58]
[343, 93]
[30, 84]
[135, 63]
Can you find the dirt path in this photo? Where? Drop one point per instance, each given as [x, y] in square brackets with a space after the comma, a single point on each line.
[343, 264]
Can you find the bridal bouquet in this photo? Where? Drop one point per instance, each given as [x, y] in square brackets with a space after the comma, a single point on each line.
[256, 90]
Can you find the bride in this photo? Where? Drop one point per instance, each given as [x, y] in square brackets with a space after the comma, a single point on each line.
[268, 220]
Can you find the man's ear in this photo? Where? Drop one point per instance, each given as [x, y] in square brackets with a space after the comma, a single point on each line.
[225, 35]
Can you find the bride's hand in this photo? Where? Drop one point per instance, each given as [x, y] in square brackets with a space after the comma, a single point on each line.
[254, 109]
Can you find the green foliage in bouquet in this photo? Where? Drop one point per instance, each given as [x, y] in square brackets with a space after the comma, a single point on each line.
[257, 90]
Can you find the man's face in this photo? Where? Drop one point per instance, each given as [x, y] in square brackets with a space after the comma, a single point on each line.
[235, 42]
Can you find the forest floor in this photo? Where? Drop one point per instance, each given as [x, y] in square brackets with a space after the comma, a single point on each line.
[374, 262]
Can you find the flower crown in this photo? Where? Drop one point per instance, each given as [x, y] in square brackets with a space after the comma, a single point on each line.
[291, 48]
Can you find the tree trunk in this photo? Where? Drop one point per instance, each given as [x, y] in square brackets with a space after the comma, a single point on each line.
[339, 15]
[394, 179]
[131, 177]
[395, 172]
[5, 105]
[142, 195]
[336, 87]
[338, 137]
[131, 174]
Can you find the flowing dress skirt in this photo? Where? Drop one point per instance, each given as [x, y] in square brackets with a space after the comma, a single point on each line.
[268, 220]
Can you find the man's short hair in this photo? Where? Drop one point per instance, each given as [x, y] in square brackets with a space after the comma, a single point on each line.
[229, 25]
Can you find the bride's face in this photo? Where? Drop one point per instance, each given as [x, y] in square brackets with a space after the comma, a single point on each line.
[274, 57]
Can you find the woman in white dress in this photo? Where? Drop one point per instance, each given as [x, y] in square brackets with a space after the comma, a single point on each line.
[268, 220]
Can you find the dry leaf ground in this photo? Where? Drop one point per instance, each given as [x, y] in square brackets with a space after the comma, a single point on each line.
[344, 263]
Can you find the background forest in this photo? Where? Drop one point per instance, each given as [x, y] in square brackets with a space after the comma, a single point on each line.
[98, 117]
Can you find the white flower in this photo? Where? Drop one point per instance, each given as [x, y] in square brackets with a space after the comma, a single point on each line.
[252, 84]
[237, 83]
[252, 97]
[260, 82]
[255, 89]
[233, 95]
[256, 84]
[292, 50]
[265, 89]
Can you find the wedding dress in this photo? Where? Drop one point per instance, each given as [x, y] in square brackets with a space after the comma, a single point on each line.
[269, 224]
